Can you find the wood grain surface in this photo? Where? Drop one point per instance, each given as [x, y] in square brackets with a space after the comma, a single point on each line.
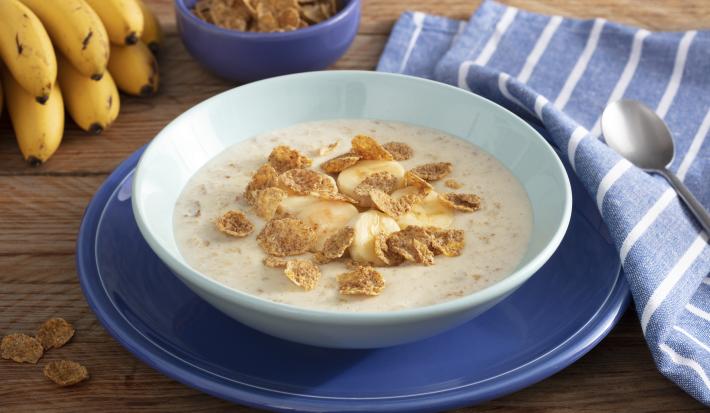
[40, 211]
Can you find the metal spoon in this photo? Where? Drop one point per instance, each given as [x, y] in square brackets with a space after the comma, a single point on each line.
[639, 135]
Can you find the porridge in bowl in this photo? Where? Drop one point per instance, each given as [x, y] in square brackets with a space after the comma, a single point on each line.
[354, 215]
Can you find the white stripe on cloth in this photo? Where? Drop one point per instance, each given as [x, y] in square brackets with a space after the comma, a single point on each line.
[610, 178]
[462, 26]
[581, 64]
[503, 79]
[694, 147]
[662, 110]
[677, 74]
[540, 102]
[706, 280]
[690, 336]
[503, 87]
[645, 222]
[418, 18]
[626, 76]
[490, 47]
[459, 32]
[573, 142]
[505, 21]
[539, 48]
[671, 279]
[683, 361]
[697, 311]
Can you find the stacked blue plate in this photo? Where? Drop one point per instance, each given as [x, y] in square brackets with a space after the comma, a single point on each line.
[555, 318]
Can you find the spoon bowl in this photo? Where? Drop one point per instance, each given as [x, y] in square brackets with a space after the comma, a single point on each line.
[638, 134]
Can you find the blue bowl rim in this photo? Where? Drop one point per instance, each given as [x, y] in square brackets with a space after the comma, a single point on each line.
[201, 281]
[339, 17]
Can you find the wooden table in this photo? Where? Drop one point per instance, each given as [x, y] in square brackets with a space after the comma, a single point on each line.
[40, 211]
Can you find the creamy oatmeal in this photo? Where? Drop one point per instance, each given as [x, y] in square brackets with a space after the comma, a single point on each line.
[496, 235]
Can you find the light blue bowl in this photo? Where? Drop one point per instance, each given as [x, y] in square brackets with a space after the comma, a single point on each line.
[204, 131]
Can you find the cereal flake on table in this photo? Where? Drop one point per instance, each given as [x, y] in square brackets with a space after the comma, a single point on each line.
[65, 372]
[235, 223]
[21, 348]
[54, 333]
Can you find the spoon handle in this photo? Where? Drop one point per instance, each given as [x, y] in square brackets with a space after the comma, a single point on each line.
[693, 204]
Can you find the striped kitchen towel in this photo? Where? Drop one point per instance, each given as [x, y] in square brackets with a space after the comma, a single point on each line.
[559, 74]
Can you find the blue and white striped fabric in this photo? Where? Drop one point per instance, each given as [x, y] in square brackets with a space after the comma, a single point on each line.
[559, 74]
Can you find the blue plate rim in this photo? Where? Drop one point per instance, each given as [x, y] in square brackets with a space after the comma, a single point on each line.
[554, 360]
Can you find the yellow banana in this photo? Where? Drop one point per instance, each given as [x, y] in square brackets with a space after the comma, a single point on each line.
[38, 128]
[26, 49]
[76, 31]
[93, 105]
[152, 32]
[123, 19]
[134, 69]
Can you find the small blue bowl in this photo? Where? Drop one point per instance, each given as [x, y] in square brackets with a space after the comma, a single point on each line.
[248, 56]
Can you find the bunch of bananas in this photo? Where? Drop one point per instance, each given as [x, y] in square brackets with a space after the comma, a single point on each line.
[102, 46]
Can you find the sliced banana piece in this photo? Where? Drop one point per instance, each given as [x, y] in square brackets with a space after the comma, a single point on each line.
[351, 177]
[293, 205]
[367, 225]
[429, 212]
[325, 216]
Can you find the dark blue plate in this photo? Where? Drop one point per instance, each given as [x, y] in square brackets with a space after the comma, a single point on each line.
[555, 318]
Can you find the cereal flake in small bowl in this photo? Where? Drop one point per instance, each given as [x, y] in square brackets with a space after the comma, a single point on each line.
[247, 40]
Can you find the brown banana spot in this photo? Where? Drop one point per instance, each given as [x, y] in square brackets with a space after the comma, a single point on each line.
[20, 48]
[86, 40]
